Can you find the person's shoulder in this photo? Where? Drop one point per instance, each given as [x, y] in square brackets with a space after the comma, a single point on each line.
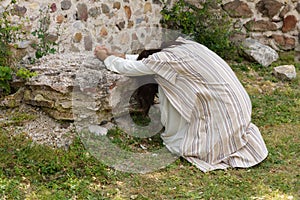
[162, 56]
[185, 40]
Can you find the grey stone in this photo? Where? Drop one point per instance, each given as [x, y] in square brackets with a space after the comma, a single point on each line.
[284, 42]
[258, 52]
[139, 20]
[53, 7]
[289, 23]
[260, 25]
[298, 7]
[51, 38]
[41, 100]
[20, 11]
[121, 25]
[157, 2]
[117, 5]
[73, 48]
[1, 10]
[24, 44]
[285, 72]
[269, 8]
[105, 8]
[66, 4]
[77, 86]
[238, 9]
[285, 10]
[82, 11]
[78, 25]
[13, 100]
[95, 12]
[88, 43]
[97, 130]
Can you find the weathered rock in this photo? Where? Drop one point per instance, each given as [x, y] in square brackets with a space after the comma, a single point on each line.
[20, 11]
[13, 100]
[121, 26]
[262, 54]
[298, 7]
[130, 24]
[52, 88]
[77, 37]
[297, 54]
[269, 8]
[88, 43]
[53, 7]
[157, 2]
[66, 4]
[117, 5]
[238, 9]
[82, 11]
[260, 25]
[284, 42]
[77, 86]
[103, 32]
[105, 9]
[95, 12]
[289, 23]
[147, 7]
[97, 130]
[60, 19]
[285, 72]
[51, 38]
[285, 10]
[127, 10]
[23, 44]
[197, 3]
[18, 54]
[238, 37]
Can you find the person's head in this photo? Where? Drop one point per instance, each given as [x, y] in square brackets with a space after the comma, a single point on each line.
[145, 53]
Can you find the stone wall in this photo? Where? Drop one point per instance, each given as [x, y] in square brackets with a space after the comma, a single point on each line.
[272, 22]
[128, 25]
[79, 25]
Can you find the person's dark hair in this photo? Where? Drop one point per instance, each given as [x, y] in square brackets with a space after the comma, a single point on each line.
[146, 94]
[146, 53]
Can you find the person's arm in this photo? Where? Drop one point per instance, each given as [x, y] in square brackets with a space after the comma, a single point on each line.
[131, 56]
[126, 66]
[121, 55]
[102, 52]
[116, 62]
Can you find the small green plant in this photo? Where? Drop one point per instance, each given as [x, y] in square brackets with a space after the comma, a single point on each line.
[5, 77]
[10, 34]
[206, 25]
[24, 73]
[44, 46]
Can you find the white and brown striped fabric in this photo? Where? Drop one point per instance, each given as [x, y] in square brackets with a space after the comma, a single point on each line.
[208, 95]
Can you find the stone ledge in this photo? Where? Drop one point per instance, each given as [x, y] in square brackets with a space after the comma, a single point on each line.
[73, 85]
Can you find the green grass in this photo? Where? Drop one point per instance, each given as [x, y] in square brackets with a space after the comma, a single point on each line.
[37, 172]
[31, 171]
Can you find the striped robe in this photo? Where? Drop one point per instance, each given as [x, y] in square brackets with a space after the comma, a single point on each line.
[205, 91]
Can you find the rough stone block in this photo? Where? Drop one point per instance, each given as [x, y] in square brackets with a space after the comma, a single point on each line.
[285, 72]
[77, 86]
[262, 54]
